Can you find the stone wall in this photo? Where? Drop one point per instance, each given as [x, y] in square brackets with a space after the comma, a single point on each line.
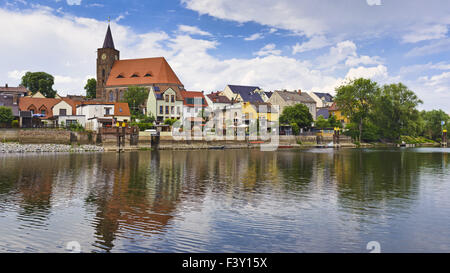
[44, 136]
[9, 135]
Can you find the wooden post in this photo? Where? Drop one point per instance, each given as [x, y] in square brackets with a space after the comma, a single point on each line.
[444, 138]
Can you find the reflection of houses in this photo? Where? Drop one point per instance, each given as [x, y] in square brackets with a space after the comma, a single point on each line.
[164, 104]
[114, 76]
[291, 98]
[103, 114]
[51, 111]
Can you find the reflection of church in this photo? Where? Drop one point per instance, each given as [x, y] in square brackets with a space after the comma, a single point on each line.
[115, 75]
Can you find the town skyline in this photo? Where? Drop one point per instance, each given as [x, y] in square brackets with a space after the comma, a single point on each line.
[212, 45]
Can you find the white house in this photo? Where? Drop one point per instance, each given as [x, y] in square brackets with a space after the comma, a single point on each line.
[103, 114]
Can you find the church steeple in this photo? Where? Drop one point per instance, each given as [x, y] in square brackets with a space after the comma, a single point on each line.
[106, 57]
[109, 42]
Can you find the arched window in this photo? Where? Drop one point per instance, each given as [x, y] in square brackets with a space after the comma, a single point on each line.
[103, 73]
[111, 96]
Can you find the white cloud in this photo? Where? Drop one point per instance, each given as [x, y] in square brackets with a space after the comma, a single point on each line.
[254, 36]
[329, 17]
[337, 54]
[16, 74]
[315, 42]
[74, 2]
[365, 60]
[425, 33]
[431, 48]
[374, 2]
[377, 73]
[193, 30]
[268, 49]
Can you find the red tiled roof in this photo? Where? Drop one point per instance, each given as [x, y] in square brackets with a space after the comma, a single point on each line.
[158, 69]
[217, 98]
[333, 107]
[121, 109]
[192, 94]
[19, 89]
[38, 103]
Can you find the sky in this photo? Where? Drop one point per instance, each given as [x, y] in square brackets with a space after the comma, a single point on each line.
[284, 44]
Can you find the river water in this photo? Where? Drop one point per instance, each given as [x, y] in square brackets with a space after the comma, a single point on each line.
[315, 200]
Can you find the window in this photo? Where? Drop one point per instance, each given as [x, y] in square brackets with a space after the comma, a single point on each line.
[172, 110]
[178, 110]
[148, 75]
[135, 75]
[103, 73]
[172, 98]
[62, 112]
[107, 111]
[43, 112]
[120, 76]
[157, 88]
[167, 98]
[70, 122]
[161, 110]
[111, 96]
[167, 110]
[32, 112]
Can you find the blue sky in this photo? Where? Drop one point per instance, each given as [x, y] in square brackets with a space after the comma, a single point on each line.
[285, 44]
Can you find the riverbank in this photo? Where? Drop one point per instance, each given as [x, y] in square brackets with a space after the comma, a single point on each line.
[48, 148]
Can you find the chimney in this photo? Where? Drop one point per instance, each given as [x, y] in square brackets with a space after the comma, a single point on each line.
[299, 91]
[6, 85]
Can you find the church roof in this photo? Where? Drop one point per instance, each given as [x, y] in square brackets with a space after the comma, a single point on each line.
[141, 72]
[109, 42]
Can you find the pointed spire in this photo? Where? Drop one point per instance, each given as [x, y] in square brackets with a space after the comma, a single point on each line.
[109, 43]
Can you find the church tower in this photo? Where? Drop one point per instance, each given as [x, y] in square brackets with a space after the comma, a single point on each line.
[106, 56]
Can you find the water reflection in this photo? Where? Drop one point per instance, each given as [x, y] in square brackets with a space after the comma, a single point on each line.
[235, 200]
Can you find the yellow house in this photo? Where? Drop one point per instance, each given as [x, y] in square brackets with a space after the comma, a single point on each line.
[334, 110]
[254, 111]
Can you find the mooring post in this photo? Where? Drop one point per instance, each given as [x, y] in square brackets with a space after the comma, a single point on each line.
[444, 138]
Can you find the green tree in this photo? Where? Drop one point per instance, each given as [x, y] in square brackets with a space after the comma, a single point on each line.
[395, 112]
[322, 123]
[333, 122]
[170, 121]
[135, 96]
[432, 123]
[6, 116]
[91, 88]
[39, 81]
[356, 100]
[298, 116]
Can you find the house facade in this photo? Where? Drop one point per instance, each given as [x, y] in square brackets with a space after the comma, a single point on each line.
[241, 93]
[323, 100]
[103, 114]
[164, 105]
[290, 98]
[194, 103]
[217, 101]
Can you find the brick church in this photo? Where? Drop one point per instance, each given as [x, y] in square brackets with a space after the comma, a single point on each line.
[115, 75]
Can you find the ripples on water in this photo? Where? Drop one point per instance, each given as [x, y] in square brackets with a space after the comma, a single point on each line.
[318, 200]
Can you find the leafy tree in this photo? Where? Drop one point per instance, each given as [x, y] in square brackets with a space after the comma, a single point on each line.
[135, 96]
[6, 115]
[395, 111]
[322, 123]
[298, 116]
[91, 88]
[356, 100]
[39, 81]
[333, 122]
[432, 123]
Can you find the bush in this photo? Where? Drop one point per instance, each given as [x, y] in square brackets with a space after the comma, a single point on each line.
[6, 115]
[142, 126]
[15, 123]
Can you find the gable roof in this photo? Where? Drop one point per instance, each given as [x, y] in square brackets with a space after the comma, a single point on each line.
[158, 68]
[18, 89]
[268, 94]
[256, 105]
[217, 98]
[121, 109]
[324, 96]
[193, 95]
[333, 107]
[247, 92]
[26, 102]
[295, 96]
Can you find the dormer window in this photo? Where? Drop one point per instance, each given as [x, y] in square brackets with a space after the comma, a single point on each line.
[135, 75]
[148, 75]
[120, 76]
